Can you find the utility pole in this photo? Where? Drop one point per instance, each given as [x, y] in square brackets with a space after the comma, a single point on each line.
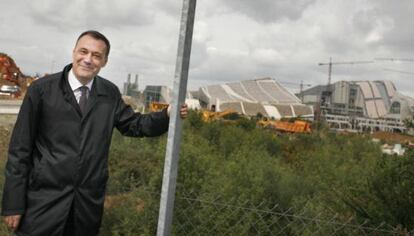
[175, 127]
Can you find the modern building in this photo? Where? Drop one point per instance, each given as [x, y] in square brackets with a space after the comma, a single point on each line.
[401, 107]
[361, 105]
[252, 97]
[370, 99]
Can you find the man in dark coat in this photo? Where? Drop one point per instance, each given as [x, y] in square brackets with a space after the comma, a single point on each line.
[57, 168]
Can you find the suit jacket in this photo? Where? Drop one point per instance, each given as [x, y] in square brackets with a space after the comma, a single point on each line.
[58, 158]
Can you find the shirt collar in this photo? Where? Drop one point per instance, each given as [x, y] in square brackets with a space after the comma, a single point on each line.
[74, 82]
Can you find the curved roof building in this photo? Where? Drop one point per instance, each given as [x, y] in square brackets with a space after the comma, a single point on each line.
[371, 99]
[250, 97]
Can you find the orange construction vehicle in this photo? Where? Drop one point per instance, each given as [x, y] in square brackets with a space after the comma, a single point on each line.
[8, 69]
[298, 126]
[13, 83]
[157, 106]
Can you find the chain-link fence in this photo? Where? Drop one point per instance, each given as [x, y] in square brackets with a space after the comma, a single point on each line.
[247, 219]
[215, 216]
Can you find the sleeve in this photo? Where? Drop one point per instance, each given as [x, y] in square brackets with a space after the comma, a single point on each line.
[19, 162]
[135, 124]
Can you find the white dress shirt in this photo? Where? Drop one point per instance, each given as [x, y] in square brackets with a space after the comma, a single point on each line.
[75, 85]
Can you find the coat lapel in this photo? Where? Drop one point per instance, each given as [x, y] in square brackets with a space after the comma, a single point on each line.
[67, 90]
[98, 90]
[96, 93]
[91, 100]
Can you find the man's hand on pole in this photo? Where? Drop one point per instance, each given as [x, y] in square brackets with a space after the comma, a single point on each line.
[183, 111]
[12, 221]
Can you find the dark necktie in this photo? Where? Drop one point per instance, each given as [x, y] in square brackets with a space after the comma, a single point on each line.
[83, 100]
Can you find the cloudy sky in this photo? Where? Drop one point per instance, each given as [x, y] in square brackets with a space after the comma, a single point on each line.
[233, 39]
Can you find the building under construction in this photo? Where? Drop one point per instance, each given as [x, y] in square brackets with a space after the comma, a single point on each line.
[361, 105]
[252, 97]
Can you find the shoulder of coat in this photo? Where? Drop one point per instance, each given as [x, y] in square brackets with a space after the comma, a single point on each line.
[47, 79]
[111, 87]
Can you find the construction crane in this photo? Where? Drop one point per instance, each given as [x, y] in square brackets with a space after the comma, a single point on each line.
[393, 59]
[399, 71]
[326, 94]
[330, 63]
[301, 84]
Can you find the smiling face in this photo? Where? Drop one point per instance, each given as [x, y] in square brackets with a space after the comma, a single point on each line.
[89, 56]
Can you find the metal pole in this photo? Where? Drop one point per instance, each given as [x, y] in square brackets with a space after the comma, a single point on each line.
[175, 126]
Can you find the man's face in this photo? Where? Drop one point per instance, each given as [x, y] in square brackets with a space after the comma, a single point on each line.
[89, 56]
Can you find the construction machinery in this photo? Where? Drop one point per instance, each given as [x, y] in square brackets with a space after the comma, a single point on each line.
[396, 60]
[297, 126]
[13, 84]
[209, 116]
[8, 69]
[157, 106]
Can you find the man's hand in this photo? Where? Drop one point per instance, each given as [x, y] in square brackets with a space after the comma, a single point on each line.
[12, 221]
[183, 111]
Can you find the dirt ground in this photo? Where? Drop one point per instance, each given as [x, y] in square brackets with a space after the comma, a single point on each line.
[393, 137]
[7, 120]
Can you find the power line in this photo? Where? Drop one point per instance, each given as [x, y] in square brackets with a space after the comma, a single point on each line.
[399, 71]
[393, 59]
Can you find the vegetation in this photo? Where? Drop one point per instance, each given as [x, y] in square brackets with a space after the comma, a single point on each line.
[321, 174]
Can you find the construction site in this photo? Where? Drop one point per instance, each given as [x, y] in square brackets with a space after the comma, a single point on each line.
[294, 144]
[352, 106]
[344, 106]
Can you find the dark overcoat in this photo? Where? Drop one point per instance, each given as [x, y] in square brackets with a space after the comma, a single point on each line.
[57, 158]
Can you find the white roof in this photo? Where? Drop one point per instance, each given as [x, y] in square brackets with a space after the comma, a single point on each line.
[266, 91]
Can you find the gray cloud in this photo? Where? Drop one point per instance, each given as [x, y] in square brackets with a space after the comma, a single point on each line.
[90, 14]
[268, 11]
[233, 39]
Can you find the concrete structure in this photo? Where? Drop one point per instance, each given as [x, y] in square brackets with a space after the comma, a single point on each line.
[362, 105]
[251, 97]
[131, 89]
[192, 102]
[402, 107]
[371, 99]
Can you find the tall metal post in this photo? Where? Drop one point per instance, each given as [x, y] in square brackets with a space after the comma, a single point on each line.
[175, 126]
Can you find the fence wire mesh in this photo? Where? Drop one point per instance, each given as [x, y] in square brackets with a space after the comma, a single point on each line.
[206, 215]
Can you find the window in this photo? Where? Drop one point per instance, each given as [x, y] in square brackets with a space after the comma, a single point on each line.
[395, 108]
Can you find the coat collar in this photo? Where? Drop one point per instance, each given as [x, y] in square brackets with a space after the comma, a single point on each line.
[98, 89]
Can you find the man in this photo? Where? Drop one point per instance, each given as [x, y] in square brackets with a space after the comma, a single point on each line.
[57, 165]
